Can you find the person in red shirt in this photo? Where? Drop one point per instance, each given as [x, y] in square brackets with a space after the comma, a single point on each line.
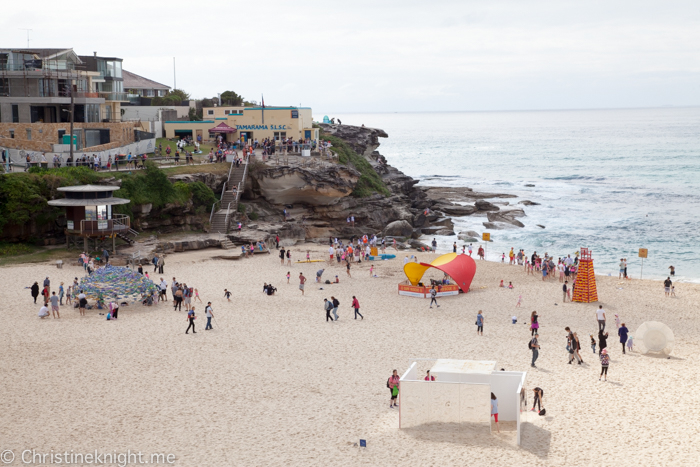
[428, 377]
[393, 382]
[356, 306]
[302, 281]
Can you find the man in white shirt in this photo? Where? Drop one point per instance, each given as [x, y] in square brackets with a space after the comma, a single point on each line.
[209, 312]
[331, 251]
[43, 312]
[600, 314]
[163, 289]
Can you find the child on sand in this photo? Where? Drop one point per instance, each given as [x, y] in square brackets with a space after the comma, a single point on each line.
[510, 285]
[503, 258]
[494, 410]
[501, 284]
[592, 343]
[287, 277]
[371, 270]
[227, 294]
[308, 255]
[520, 301]
[630, 343]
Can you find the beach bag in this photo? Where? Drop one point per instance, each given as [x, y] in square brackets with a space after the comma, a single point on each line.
[395, 391]
[542, 412]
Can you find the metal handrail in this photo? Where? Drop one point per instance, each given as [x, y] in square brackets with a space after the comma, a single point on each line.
[211, 216]
[230, 169]
[228, 209]
[117, 219]
[223, 190]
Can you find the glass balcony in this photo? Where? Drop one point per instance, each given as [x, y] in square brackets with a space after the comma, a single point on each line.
[115, 96]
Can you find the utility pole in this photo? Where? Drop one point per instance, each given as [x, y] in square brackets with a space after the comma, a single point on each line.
[72, 109]
[174, 76]
[25, 29]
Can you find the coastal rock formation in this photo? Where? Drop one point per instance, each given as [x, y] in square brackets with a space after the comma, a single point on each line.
[527, 202]
[482, 205]
[507, 217]
[362, 140]
[498, 226]
[324, 186]
[400, 228]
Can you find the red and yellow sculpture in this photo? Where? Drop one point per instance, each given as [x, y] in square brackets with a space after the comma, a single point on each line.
[461, 268]
[585, 290]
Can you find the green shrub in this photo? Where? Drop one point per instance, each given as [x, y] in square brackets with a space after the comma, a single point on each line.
[370, 182]
[13, 249]
[253, 216]
[202, 195]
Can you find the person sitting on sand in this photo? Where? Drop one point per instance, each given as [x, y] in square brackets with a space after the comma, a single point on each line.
[428, 377]
[501, 284]
[510, 285]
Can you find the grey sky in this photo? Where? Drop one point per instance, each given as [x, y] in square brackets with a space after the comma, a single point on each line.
[391, 55]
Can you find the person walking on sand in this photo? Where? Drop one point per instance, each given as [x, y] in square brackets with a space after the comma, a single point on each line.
[535, 347]
[227, 294]
[282, 252]
[592, 343]
[393, 385]
[600, 315]
[578, 349]
[210, 314]
[328, 306]
[622, 332]
[191, 317]
[302, 281]
[356, 306]
[534, 325]
[602, 340]
[347, 267]
[336, 304]
[667, 286]
[538, 400]
[565, 290]
[605, 363]
[289, 257]
[61, 293]
[35, 290]
[494, 410]
[479, 324]
[433, 297]
[571, 346]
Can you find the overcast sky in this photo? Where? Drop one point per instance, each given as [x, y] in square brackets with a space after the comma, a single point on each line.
[357, 56]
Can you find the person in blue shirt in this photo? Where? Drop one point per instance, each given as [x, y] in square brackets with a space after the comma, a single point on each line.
[622, 332]
[191, 317]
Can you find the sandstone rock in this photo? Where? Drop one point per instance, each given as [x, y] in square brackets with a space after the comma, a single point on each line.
[416, 233]
[417, 244]
[446, 232]
[530, 185]
[465, 238]
[288, 185]
[456, 209]
[483, 205]
[540, 225]
[498, 226]
[527, 202]
[362, 140]
[400, 228]
[502, 217]
[420, 220]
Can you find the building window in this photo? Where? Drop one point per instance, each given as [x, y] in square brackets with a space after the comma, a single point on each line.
[12, 134]
[29, 134]
[280, 135]
[227, 112]
[210, 112]
[15, 114]
[4, 87]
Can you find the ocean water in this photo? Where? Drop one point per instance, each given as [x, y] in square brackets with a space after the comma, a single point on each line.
[613, 181]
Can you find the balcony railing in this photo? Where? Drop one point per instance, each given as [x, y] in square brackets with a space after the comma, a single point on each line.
[115, 96]
[119, 223]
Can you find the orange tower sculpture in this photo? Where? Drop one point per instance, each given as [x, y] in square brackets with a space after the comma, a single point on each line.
[585, 290]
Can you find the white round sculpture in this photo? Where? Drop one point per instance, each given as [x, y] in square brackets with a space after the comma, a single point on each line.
[653, 336]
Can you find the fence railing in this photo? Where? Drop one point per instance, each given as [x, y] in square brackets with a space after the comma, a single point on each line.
[118, 223]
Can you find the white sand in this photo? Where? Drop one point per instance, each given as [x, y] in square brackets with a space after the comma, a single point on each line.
[274, 384]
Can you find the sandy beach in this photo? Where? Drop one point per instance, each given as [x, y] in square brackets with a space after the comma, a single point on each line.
[275, 384]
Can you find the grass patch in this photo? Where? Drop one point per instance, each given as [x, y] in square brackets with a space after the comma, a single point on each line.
[14, 249]
[370, 182]
[40, 256]
[218, 169]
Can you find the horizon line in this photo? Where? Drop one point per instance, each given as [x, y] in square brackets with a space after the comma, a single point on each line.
[669, 106]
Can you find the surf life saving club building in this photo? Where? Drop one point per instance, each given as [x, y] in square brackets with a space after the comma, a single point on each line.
[246, 124]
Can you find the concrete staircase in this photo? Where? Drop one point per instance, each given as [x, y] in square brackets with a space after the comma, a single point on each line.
[227, 245]
[221, 220]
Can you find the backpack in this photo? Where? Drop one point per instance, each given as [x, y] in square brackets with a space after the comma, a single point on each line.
[529, 345]
[387, 382]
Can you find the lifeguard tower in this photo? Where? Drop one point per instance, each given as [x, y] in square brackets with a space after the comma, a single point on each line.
[89, 214]
[585, 290]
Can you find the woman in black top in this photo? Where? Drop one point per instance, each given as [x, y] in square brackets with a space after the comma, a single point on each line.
[35, 291]
[539, 394]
